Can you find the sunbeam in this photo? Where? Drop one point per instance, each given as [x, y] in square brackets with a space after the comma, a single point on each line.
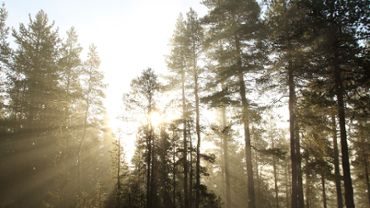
[184, 104]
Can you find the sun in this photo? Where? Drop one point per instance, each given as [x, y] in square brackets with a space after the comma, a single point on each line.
[155, 118]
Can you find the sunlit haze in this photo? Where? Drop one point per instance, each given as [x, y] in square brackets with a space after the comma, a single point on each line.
[184, 103]
[130, 35]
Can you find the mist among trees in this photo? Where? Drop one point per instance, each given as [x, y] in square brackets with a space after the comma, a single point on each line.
[209, 132]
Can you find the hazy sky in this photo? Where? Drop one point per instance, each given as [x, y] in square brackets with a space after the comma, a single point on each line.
[130, 35]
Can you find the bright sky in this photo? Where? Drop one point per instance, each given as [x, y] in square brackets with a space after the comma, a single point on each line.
[130, 35]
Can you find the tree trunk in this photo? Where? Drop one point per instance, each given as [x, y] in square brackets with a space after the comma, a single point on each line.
[197, 129]
[174, 187]
[149, 159]
[366, 167]
[191, 169]
[275, 175]
[336, 165]
[365, 156]
[173, 171]
[299, 167]
[245, 114]
[287, 190]
[348, 189]
[308, 183]
[153, 182]
[174, 184]
[323, 189]
[185, 152]
[149, 170]
[297, 189]
[118, 196]
[257, 178]
[224, 134]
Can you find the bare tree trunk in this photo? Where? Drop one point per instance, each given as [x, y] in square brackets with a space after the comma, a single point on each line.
[185, 152]
[366, 170]
[247, 138]
[336, 165]
[153, 181]
[224, 133]
[257, 178]
[197, 129]
[191, 169]
[173, 170]
[118, 173]
[299, 167]
[365, 156]
[348, 188]
[223, 185]
[149, 171]
[174, 185]
[287, 191]
[295, 154]
[149, 143]
[323, 189]
[308, 183]
[275, 175]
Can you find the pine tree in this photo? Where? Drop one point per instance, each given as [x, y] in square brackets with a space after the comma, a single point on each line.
[5, 53]
[36, 69]
[178, 64]
[34, 98]
[337, 176]
[284, 20]
[71, 66]
[69, 79]
[236, 25]
[92, 108]
[339, 28]
[194, 36]
[143, 94]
